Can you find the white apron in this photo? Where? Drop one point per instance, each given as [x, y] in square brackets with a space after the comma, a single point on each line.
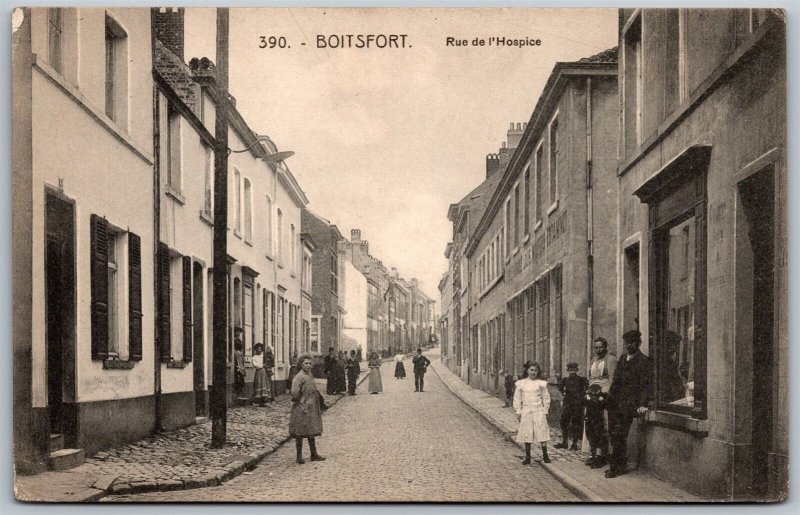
[532, 402]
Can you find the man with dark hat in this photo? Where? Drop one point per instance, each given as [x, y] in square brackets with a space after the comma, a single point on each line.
[628, 398]
[420, 366]
[572, 388]
[331, 372]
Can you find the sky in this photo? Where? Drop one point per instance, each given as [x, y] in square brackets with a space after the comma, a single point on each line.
[386, 139]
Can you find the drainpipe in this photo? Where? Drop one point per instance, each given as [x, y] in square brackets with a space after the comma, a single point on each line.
[589, 226]
[158, 427]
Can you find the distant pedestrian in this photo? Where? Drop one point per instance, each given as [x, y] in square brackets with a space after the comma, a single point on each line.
[261, 392]
[305, 420]
[239, 372]
[532, 402]
[293, 368]
[572, 388]
[375, 384]
[601, 371]
[359, 354]
[628, 398]
[341, 372]
[399, 367]
[331, 371]
[269, 366]
[353, 370]
[420, 366]
[509, 386]
[594, 402]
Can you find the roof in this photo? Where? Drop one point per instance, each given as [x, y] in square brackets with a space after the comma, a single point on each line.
[606, 56]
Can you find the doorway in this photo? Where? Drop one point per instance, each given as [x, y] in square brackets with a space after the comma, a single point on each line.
[755, 282]
[60, 311]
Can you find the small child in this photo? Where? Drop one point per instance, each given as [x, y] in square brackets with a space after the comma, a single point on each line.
[572, 388]
[595, 402]
[510, 381]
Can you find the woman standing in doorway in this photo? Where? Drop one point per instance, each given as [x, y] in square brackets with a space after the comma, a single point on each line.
[532, 402]
[260, 388]
[305, 420]
[375, 384]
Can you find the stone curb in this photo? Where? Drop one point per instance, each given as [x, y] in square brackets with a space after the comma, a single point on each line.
[106, 486]
[562, 477]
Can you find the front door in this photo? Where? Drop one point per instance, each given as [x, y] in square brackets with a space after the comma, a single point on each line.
[60, 310]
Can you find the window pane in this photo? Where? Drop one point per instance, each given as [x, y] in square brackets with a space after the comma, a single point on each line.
[676, 363]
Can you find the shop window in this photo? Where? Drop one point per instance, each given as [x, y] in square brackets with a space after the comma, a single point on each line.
[677, 264]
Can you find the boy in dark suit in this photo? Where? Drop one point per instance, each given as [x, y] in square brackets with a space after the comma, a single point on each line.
[595, 403]
[572, 388]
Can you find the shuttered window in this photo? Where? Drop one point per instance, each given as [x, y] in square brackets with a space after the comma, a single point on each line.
[187, 308]
[164, 328]
[557, 308]
[134, 297]
[99, 286]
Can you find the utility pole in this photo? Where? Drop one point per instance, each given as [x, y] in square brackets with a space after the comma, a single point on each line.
[219, 401]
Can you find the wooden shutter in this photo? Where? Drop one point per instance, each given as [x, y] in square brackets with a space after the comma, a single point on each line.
[557, 308]
[164, 342]
[187, 308]
[134, 297]
[99, 287]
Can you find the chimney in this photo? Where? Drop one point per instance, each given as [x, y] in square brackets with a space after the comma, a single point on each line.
[355, 235]
[514, 135]
[365, 247]
[168, 28]
[492, 164]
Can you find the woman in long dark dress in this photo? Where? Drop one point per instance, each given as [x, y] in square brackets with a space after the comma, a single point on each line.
[305, 420]
[375, 384]
[399, 368]
[341, 377]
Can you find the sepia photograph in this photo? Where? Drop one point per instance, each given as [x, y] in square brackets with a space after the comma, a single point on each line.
[406, 255]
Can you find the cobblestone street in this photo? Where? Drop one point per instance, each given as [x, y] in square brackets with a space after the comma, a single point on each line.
[395, 446]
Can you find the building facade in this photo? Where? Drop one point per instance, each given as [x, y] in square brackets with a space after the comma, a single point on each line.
[542, 272]
[702, 243]
[325, 306]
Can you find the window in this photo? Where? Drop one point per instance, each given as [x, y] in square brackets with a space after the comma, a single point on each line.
[115, 308]
[208, 201]
[677, 281]
[268, 224]
[173, 146]
[632, 85]
[675, 54]
[280, 237]
[553, 162]
[757, 18]
[334, 274]
[248, 211]
[292, 248]
[280, 326]
[507, 228]
[539, 173]
[516, 215]
[55, 18]
[527, 206]
[237, 202]
[116, 72]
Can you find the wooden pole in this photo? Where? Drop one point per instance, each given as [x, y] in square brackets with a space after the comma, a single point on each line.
[219, 403]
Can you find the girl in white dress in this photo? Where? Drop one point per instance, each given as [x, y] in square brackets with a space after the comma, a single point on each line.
[532, 402]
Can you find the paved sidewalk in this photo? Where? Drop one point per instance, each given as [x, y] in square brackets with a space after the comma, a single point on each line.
[174, 460]
[567, 466]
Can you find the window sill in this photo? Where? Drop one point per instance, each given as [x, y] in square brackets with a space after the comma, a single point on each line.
[176, 364]
[525, 239]
[248, 242]
[677, 421]
[514, 252]
[537, 226]
[205, 217]
[175, 195]
[118, 364]
[552, 208]
[269, 258]
[237, 233]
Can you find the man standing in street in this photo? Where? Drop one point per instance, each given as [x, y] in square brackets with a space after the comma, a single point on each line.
[330, 371]
[628, 398]
[420, 365]
[353, 370]
[601, 371]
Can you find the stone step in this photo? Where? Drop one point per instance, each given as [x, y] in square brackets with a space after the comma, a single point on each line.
[66, 459]
[55, 442]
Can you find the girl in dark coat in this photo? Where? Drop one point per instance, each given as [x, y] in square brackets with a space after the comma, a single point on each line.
[305, 420]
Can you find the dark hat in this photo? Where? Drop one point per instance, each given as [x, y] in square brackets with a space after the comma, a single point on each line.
[632, 336]
[572, 364]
